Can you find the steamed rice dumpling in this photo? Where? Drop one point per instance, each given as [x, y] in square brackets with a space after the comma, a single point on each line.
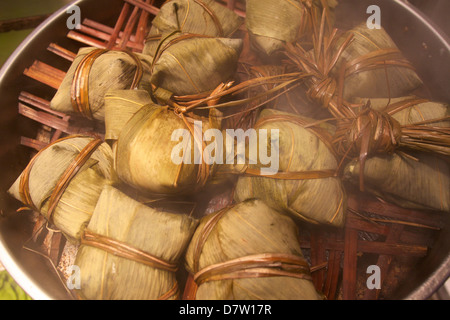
[306, 186]
[294, 100]
[249, 252]
[159, 152]
[373, 65]
[272, 23]
[188, 64]
[120, 106]
[421, 182]
[63, 182]
[130, 251]
[204, 17]
[93, 73]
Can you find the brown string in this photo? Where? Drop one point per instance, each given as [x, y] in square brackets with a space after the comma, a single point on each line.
[24, 183]
[323, 87]
[372, 132]
[204, 169]
[80, 83]
[377, 132]
[256, 266]
[126, 251]
[204, 234]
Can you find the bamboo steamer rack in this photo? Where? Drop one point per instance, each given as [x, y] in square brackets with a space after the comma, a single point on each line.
[376, 233]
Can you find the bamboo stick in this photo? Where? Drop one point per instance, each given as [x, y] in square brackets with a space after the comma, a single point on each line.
[45, 73]
[129, 28]
[360, 224]
[44, 118]
[362, 203]
[350, 264]
[141, 30]
[375, 247]
[38, 102]
[118, 26]
[32, 143]
[62, 52]
[86, 40]
[106, 37]
[384, 262]
[144, 6]
[103, 28]
[332, 277]
[99, 44]
[317, 258]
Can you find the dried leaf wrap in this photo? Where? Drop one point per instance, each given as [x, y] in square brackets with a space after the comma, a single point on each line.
[39, 186]
[306, 186]
[190, 64]
[145, 146]
[249, 252]
[273, 23]
[120, 106]
[205, 17]
[374, 66]
[418, 184]
[131, 251]
[93, 73]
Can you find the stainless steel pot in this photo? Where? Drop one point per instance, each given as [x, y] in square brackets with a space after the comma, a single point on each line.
[421, 41]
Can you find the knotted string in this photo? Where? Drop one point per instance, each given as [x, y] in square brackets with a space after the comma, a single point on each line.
[367, 132]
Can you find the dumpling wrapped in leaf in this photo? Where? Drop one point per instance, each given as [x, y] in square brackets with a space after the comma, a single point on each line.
[421, 182]
[248, 252]
[411, 179]
[130, 251]
[272, 23]
[93, 73]
[64, 180]
[306, 185]
[160, 152]
[188, 64]
[204, 17]
[372, 66]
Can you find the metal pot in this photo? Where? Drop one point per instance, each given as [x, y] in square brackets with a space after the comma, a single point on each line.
[421, 41]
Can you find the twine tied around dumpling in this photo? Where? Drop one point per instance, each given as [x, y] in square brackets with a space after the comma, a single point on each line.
[370, 133]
